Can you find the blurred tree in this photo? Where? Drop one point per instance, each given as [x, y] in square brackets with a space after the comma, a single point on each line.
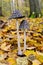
[26, 5]
[7, 7]
[1, 8]
[35, 8]
[0, 11]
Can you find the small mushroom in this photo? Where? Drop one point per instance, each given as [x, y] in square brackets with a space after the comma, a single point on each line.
[33, 60]
[31, 57]
[24, 25]
[17, 15]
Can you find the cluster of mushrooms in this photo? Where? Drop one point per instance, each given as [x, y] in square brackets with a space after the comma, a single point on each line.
[23, 26]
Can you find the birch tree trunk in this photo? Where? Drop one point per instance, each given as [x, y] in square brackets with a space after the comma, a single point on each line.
[12, 5]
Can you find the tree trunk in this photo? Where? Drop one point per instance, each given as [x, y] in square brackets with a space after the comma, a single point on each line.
[35, 7]
[0, 11]
[1, 7]
[12, 5]
[32, 6]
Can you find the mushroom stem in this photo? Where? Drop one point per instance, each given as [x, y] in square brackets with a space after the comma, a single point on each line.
[24, 40]
[19, 49]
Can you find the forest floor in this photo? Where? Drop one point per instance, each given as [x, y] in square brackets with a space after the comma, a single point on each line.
[8, 41]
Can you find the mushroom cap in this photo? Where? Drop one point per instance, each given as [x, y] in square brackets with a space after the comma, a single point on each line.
[16, 15]
[24, 25]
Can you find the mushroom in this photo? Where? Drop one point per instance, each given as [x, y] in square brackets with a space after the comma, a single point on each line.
[24, 25]
[33, 60]
[17, 15]
[31, 57]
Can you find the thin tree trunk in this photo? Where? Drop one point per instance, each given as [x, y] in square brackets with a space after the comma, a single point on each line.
[0, 11]
[12, 5]
[26, 5]
[35, 7]
[32, 6]
[1, 8]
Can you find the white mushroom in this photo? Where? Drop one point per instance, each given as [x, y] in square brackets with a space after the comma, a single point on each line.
[17, 15]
